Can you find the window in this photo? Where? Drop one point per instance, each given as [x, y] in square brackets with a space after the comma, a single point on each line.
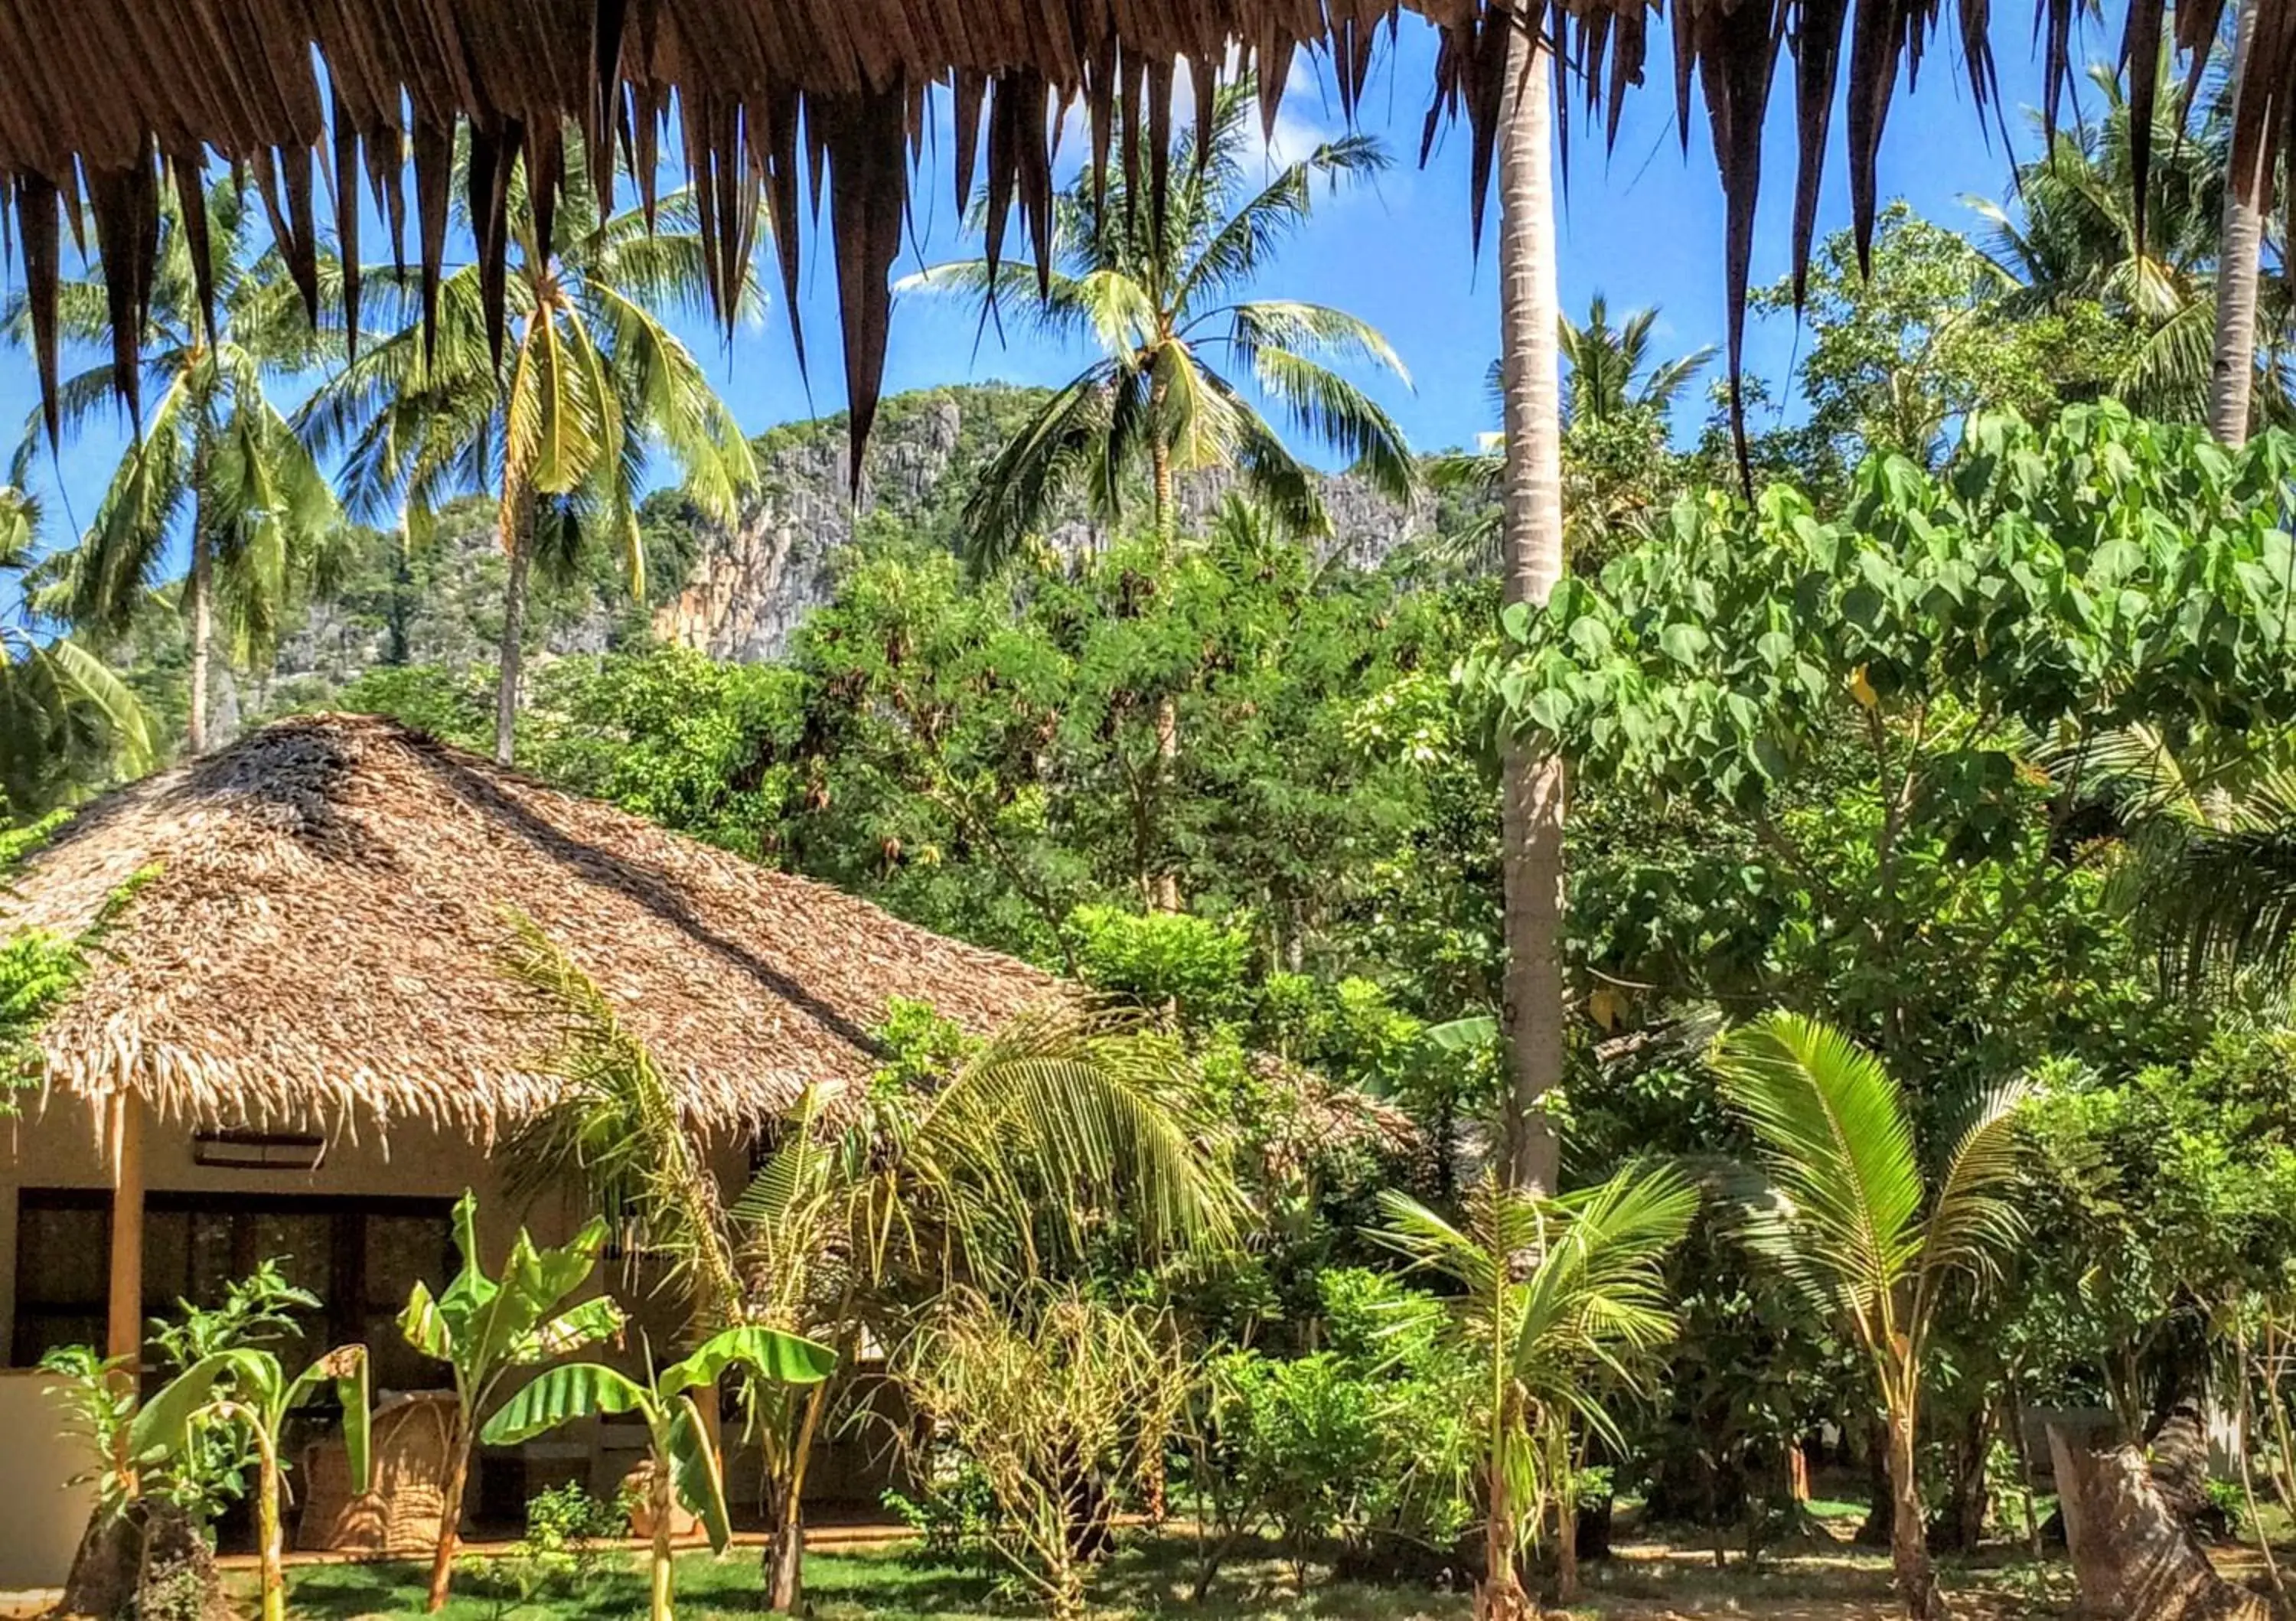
[358, 1255]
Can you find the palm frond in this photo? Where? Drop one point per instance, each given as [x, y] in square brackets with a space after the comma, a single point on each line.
[1840, 1151]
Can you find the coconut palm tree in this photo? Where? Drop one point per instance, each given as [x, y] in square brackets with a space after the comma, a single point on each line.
[1025, 1145]
[1611, 375]
[1613, 400]
[1563, 1298]
[2210, 824]
[1159, 292]
[67, 722]
[213, 466]
[2073, 236]
[560, 434]
[1532, 1008]
[1850, 1218]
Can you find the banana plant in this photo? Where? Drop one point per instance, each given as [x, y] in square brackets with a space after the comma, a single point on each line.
[685, 1467]
[483, 1328]
[250, 1387]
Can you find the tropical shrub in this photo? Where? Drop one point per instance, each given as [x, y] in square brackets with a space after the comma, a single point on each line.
[1299, 1442]
[686, 1471]
[251, 1388]
[1561, 1302]
[1060, 1401]
[1852, 1218]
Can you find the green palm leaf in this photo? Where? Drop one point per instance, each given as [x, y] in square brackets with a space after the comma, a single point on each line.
[1839, 1151]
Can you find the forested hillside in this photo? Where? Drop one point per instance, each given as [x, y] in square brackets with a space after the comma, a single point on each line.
[734, 591]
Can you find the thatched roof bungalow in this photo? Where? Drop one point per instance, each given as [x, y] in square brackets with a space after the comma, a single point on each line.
[298, 1037]
[318, 939]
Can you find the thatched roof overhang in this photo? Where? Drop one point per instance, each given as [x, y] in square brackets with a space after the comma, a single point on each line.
[321, 939]
[789, 107]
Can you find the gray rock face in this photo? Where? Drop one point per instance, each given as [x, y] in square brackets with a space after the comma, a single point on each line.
[752, 583]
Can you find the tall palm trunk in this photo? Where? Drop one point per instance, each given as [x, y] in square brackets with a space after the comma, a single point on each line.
[2239, 252]
[518, 542]
[199, 585]
[1531, 790]
[1909, 1549]
[1164, 887]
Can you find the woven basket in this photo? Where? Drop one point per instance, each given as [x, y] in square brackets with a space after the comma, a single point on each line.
[409, 1440]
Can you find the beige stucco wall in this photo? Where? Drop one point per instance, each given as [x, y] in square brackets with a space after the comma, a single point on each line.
[54, 1146]
[41, 1524]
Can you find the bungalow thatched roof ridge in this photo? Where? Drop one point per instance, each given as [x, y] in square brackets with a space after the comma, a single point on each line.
[320, 942]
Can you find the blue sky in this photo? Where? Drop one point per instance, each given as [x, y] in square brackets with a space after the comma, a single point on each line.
[1641, 223]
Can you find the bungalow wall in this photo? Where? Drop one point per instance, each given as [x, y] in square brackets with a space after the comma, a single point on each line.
[356, 1227]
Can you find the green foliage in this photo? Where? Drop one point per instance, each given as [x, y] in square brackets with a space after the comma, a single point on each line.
[955, 1511]
[68, 722]
[691, 742]
[38, 970]
[1852, 1220]
[1863, 734]
[483, 1328]
[1159, 290]
[249, 1389]
[2164, 1192]
[430, 697]
[213, 462]
[207, 1470]
[1561, 1304]
[1898, 356]
[1368, 1440]
[1300, 1440]
[1161, 957]
[2099, 571]
[686, 1465]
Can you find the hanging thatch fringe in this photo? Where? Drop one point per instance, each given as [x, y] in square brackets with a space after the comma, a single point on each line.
[107, 100]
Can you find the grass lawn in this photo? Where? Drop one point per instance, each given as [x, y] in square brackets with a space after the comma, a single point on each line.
[1153, 1578]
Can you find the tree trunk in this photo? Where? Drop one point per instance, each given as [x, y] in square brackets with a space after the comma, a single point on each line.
[1909, 1554]
[272, 1547]
[2240, 250]
[785, 1580]
[2133, 1559]
[1501, 1596]
[1162, 507]
[784, 1554]
[199, 586]
[521, 547]
[1531, 792]
[1164, 888]
[664, 1505]
[2024, 1471]
[1965, 1508]
[1566, 1547]
[450, 1516]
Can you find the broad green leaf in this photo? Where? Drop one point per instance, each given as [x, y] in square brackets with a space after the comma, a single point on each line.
[769, 1354]
[591, 1323]
[577, 1390]
[164, 1423]
[694, 1473]
[424, 1325]
[1470, 1034]
[346, 1368]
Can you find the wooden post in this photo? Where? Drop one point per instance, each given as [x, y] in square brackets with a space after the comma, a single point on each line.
[123, 1334]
